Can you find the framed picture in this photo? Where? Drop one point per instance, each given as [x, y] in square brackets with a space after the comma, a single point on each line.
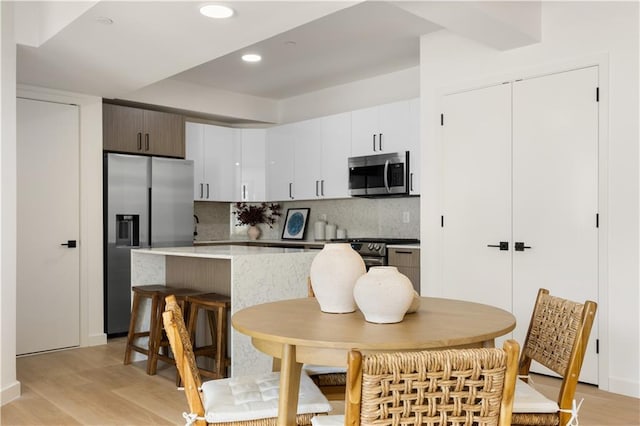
[295, 224]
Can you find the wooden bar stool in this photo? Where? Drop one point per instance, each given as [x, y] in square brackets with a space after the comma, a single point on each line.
[156, 293]
[216, 307]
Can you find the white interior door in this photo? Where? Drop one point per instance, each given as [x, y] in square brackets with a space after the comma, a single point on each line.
[48, 284]
[477, 195]
[555, 194]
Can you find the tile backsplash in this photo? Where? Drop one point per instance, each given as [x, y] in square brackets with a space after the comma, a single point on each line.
[360, 217]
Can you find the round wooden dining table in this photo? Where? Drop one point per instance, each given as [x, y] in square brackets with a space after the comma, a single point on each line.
[296, 331]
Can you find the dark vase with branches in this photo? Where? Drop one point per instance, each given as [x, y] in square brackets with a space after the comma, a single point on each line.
[255, 214]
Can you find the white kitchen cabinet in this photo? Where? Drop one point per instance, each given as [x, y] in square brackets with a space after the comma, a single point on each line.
[335, 136]
[520, 196]
[413, 146]
[280, 159]
[252, 164]
[194, 150]
[215, 156]
[307, 149]
[317, 151]
[381, 129]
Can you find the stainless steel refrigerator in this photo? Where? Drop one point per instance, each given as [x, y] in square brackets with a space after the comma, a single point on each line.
[148, 202]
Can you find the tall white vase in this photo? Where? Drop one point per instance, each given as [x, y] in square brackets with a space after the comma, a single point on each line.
[384, 295]
[334, 272]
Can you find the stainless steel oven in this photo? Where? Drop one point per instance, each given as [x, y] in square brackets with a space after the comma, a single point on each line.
[374, 250]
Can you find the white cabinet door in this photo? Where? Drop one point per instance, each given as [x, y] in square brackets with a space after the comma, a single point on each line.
[280, 157]
[364, 131]
[393, 134]
[307, 159]
[194, 150]
[477, 196]
[555, 194]
[220, 169]
[48, 206]
[413, 146]
[252, 181]
[381, 129]
[335, 131]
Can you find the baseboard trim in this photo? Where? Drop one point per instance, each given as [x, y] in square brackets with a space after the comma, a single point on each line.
[97, 339]
[10, 393]
[624, 386]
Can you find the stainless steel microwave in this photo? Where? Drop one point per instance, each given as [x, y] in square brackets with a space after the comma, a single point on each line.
[379, 175]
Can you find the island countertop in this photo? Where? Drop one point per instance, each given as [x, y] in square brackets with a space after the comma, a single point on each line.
[217, 251]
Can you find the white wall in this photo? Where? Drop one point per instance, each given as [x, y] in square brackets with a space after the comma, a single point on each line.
[382, 89]
[573, 34]
[9, 386]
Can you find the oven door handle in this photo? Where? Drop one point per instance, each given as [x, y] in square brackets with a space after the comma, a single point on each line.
[386, 176]
[370, 261]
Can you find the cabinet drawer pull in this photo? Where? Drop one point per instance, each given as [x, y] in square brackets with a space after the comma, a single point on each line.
[139, 141]
[207, 191]
[317, 191]
[374, 143]
[146, 141]
[201, 190]
[322, 187]
[410, 181]
[291, 190]
[380, 141]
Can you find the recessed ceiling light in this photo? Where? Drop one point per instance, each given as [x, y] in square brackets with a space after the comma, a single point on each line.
[251, 57]
[104, 20]
[217, 11]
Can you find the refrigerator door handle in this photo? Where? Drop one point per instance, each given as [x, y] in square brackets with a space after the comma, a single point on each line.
[150, 218]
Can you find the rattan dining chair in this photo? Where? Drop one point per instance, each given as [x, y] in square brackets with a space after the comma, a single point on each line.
[557, 338]
[441, 387]
[245, 400]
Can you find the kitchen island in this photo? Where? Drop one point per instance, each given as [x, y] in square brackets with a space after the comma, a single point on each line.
[248, 275]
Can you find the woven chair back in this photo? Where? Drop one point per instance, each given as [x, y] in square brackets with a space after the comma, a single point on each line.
[449, 387]
[556, 327]
[182, 349]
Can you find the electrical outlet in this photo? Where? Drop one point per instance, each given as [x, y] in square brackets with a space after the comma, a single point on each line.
[405, 217]
[323, 216]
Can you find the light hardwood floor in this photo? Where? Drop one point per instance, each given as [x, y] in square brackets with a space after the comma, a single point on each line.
[91, 386]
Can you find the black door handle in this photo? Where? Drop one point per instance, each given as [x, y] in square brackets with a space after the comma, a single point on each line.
[504, 245]
[519, 246]
[69, 244]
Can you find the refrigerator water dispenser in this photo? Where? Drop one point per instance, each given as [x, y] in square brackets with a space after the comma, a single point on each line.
[127, 230]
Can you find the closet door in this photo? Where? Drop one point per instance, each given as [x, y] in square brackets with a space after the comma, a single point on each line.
[555, 194]
[477, 196]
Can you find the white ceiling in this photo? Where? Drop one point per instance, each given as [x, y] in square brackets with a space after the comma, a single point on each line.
[151, 41]
[358, 42]
[63, 46]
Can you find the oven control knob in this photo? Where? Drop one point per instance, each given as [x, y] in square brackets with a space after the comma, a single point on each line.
[370, 246]
[376, 247]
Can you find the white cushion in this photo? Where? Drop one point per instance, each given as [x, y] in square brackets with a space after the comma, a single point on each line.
[337, 420]
[312, 369]
[256, 397]
[529, 400]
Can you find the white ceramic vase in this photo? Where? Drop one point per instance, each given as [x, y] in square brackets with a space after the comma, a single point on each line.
[334, 272]
[253, 232]
[384, 295]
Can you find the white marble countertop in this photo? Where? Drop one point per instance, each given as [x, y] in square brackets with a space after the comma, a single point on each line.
[218, 251]
[293, 243]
